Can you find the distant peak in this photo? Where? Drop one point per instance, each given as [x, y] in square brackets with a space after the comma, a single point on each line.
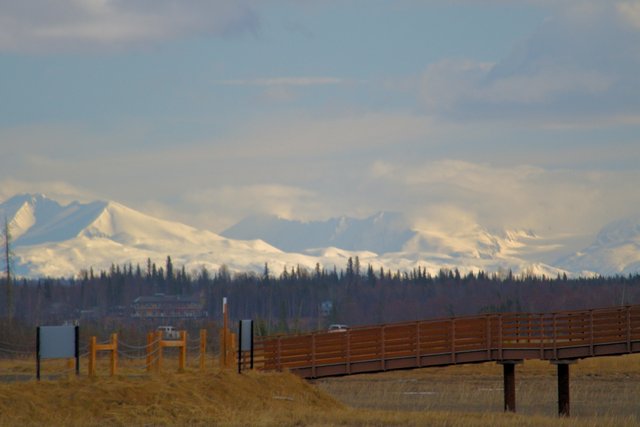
[25, 198]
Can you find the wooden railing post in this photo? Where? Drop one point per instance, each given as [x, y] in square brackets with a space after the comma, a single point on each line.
[591, 337]
[278, 351]
[453, 340]
[203, 347]
[313, 355]
[348, 338]
[418, 354]
[555, 337]
[159, 351]
[92, 356]
[487, 320]
[149, 349]
[182, 357]
[541, 335]
[382, 349]
[628, 310]
[114, 353]
[500, 320]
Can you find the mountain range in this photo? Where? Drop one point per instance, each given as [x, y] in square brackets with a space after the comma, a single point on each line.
[52, 239]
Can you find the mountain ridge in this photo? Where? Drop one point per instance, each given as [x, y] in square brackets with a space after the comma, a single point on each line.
[51, 239]
[380, 233]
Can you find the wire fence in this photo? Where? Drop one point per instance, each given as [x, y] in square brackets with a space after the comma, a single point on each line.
[18, 361]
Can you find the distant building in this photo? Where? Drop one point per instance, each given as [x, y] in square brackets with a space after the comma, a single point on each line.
[160, 306]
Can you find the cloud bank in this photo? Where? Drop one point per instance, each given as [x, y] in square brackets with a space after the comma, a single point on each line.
[581, 63]
[70, 25]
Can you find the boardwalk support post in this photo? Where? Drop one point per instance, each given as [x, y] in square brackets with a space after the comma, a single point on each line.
[564, 394]
[509, 368]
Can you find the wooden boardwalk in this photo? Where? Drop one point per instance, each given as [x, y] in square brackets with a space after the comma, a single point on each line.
[509, 337]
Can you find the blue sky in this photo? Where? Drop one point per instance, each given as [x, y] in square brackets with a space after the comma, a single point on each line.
[504, 113]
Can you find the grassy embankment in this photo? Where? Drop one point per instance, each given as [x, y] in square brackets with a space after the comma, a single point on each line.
[605, 392]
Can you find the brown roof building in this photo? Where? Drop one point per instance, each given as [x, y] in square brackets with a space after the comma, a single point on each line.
[160, 306]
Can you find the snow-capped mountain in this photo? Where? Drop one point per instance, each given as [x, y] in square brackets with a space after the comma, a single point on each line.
[616, 250]
[54, 240]
[380, 233]
[51, 239]
[390, 236]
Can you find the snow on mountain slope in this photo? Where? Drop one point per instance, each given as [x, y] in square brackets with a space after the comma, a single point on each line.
[386, 239]
[616, 250]
[55, 240]
[380, 233]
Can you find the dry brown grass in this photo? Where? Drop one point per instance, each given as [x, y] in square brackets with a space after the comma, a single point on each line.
[467, 395]
[165, 399]
[606, 389]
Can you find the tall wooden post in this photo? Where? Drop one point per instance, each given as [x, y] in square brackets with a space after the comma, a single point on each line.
[182, 358]
[203, 347]
[92, 356]
[159, 348]
[225, 328]
[150, 348]
[114, 353]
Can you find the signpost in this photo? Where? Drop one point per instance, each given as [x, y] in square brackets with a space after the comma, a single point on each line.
[57, 342]
[245, 334]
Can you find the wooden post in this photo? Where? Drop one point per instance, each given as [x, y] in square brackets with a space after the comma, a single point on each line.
[313, 355]
[114, 353]
[418, 354]
[182, 358]
[233, 346]
[203, 347]
[382, 349]
[453, 340]
[225, 334]
[348, 338]
[150, 346]
[71, 366]
[278, 353]
[159, 348]
[92, 356]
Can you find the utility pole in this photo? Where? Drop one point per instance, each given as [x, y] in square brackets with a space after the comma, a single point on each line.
[6, 234]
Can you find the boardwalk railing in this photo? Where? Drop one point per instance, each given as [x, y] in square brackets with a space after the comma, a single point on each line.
[491, 337]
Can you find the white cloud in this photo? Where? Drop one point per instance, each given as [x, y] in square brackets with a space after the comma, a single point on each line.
[582, 62]
[43, 25]
[283, 81]
[233, 202]
[61, 191]
[630, 12]
[519, 196]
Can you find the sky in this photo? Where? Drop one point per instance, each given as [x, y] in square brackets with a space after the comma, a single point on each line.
[507, 114]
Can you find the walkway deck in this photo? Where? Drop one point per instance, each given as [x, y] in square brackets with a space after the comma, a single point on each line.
[493, 337]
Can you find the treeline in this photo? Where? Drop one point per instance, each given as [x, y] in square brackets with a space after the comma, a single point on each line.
[299, 299]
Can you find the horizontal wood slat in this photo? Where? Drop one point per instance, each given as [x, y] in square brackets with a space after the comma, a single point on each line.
[539, 335]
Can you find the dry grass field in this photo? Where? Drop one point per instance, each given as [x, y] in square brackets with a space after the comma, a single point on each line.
[605, 392]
